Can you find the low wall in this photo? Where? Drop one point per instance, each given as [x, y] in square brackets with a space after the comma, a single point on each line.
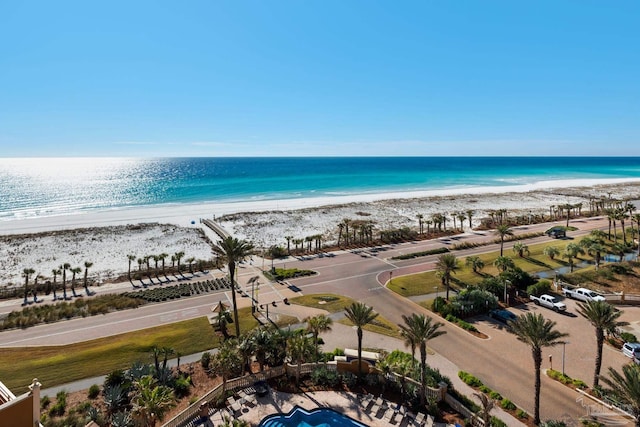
[184, 417]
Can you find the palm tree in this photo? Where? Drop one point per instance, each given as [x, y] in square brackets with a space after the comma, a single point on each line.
[475, 263]
[27, 272]
[227, 362]
[604, 317]
[316, 325]
[420, 223]
[147, 261]
[487, 406]
[190, 262]
[162, 257]
[64, 267]
[289, 238]
[537, 332]
[626, 387]
[261, 339]
[593, 247]
[461, 217]
[446, 266]
[87, 265]
[299, 348]
[150, 401]
[55, 273]
[179, 256]
[232, 251]
[636, 217]
[521, 248]
[131, 258]
[470, 213]
[360, 315]
[74, 271]
[571, 251]
[504, 263]
[421, 329]
[223, 319]
[551, 252]
[502, 231]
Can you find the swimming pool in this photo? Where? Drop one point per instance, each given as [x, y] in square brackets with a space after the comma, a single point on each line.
[319, 417]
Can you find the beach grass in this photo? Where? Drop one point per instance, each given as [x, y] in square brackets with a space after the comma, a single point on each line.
[55, 365]
[429, 282]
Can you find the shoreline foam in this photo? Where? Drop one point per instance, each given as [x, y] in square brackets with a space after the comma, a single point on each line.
[266, 223]
[182, 214]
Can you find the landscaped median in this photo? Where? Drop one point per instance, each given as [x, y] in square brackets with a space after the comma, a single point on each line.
[336, 303]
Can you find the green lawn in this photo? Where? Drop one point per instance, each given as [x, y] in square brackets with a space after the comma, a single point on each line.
[380, 326]
[55, 365]
[335, 303]
[535, 261]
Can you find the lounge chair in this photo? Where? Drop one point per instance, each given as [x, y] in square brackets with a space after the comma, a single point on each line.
[419, 419]
[374, 409]
[388, 415]
[429, 421]
[365, 402]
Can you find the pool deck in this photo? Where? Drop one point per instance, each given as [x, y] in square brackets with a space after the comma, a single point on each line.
[277, 402]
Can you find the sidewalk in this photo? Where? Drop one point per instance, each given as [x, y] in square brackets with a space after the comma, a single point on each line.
[341, 336]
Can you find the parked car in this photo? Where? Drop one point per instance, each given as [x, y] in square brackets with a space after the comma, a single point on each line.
[549, 301]
[504, 316]
[582, 294]
[631, 349]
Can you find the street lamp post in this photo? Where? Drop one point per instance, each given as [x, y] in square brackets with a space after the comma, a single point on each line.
[253, 281]
[390, 276]
[564, 343]
[505, 291]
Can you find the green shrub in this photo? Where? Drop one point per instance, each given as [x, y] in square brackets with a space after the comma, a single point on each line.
[579, 384]
[45, 401]
[181, 385]
[507, 404]
[421, 254]
[495, 395]
[94, 391]
[469, 379]
[542, 287]
[485, 389]
[522, 414]
[497, 422]
[205, 360]
[628, 337]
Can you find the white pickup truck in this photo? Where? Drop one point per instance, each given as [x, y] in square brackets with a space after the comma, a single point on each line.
[549, 302]
[582, 294]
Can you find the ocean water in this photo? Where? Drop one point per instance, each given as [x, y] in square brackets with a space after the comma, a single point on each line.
[34, 187]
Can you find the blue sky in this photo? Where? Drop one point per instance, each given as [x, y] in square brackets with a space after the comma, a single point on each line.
[283, 78]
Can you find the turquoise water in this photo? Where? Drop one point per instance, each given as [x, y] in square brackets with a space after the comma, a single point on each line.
[320, 417]
[35, 187]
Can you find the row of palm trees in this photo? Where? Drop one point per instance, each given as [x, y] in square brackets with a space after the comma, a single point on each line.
[538, 332]
[176, 265]
[593, 245]
[29, 273]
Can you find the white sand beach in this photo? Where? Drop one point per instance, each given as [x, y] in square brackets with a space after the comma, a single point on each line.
[102, 237]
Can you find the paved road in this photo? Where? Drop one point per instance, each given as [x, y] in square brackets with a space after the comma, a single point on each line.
[502, 362]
